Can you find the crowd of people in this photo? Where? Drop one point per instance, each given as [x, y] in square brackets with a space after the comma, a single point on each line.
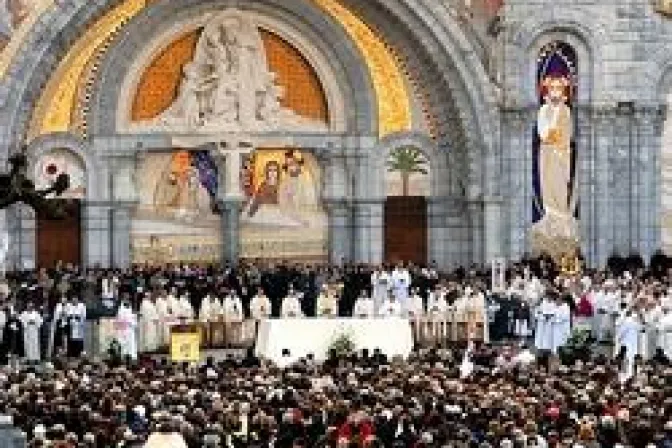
[500, 393]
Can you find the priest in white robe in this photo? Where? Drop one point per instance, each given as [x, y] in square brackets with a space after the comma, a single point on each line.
[627, 339]
[260, 306]
[390, 308]
[165, 315]
[416, 306]
[562, 325]
[31, 320]
[126, 325]
[437, 305]
[651, 318]
[401, 281]
[544, 315]
[58, 336]
[76, 314]
[233, 308]
[381, 283]
[291, 305]
[327, 303]
[150, 326]
[364, 307]
[665, 331]
[185, 311]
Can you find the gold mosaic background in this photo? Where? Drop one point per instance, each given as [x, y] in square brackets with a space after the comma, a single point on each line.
[159, 84]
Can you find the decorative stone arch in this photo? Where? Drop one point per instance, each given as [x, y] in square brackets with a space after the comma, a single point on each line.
[460, 96]
[329, 82]
[345, 80]
[588, 40]
[79, 148]
[418, 140]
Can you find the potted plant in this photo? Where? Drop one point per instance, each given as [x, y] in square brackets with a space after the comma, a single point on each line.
[342, 345]
[577, 348]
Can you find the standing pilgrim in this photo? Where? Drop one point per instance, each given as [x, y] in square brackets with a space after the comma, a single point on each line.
[401, 281]
[260, 306]
[125, 330]
[184, 312]
[31, 321]
[380, 286]
[76, 313]
[150, 326]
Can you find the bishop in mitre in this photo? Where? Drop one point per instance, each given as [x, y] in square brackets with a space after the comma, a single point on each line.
[390, 307]
[31, 321]
[125, 326]
[416, 306]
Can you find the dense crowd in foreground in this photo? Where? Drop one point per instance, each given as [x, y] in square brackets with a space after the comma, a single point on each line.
[491, 395]
[504, 398]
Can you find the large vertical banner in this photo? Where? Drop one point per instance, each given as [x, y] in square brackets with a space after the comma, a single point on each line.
[176, 220]
[282, 217]
[555, 203]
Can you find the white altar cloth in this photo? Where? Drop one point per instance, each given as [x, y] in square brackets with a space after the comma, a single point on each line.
[394, 337]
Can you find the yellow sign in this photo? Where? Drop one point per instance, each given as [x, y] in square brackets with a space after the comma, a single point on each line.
[185, 347]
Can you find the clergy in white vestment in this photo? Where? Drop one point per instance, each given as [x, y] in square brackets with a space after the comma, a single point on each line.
[665, 331]
[390, 307]
[125, 325]
[205, 312]
[651, 318]
[327, 303]
[437, 305]
[150, 326]
[543, 333]
[562, 324]
[627, 340]
[381, 283]
[401, 281]
[58, 336]
[260, 306]
[165, 315]
[185, 311]
[364, 307]
[416, 306]
[31, 321]
[291, 305]
[76, 312]
[233, 308]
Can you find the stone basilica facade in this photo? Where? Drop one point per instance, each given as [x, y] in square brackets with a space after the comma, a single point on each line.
[211, 130]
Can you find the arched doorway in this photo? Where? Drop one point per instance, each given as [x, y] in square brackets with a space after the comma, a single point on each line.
[58, 241]
[407, 187]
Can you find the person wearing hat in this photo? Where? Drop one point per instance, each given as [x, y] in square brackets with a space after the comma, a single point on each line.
[260, 305]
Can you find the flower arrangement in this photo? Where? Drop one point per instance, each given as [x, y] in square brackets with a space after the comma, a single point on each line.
[577, 347]
[114, 350]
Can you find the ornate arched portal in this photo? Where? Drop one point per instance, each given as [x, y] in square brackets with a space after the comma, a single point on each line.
[88, 87]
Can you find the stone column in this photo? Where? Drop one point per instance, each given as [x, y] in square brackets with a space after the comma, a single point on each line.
[340, 245]
[335, 198]
[621, 180]
[96, 235]
[645, 165]
[22, 229]
[231, 208]
[229, 197]
[121, 234]
[601, 212]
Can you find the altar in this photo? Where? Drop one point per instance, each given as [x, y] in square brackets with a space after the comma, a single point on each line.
[298, 338]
